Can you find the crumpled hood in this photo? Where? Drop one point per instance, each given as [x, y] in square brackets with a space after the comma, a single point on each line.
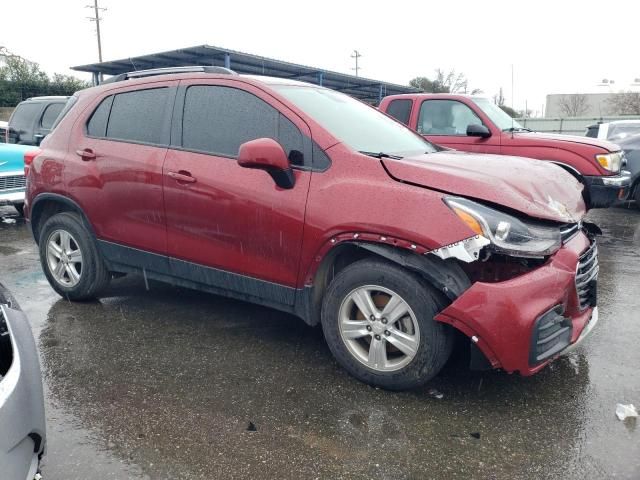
[535, 188]
[534, 137]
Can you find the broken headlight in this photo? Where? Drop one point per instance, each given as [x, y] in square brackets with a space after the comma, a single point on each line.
[507, 234]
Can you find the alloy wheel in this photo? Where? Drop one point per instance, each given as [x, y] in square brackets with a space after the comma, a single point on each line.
[379, 328]
[64, 258]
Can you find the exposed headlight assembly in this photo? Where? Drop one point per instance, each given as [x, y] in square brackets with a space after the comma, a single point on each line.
[610, 161]
[507, 234]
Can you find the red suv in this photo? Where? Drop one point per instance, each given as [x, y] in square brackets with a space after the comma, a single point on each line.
[303, 199]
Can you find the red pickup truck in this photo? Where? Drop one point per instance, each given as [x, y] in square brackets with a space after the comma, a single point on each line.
[476, 124]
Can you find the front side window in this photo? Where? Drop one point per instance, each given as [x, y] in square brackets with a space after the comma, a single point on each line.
[219, 119]
[138, 116]
[445, 117]
[50, 114]
[359, 126]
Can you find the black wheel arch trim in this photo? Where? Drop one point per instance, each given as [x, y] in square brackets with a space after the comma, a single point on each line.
[56, 197]
[446, 276]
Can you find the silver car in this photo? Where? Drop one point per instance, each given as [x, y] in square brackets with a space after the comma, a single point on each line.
[22, 421]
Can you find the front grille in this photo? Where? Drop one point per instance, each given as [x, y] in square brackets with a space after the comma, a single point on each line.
[587, 277]
[12, 182]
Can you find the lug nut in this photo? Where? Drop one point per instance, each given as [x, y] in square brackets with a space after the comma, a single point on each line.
[372, 318]
[369, 327]
[387, 333]
[377, 337]
[384, 320]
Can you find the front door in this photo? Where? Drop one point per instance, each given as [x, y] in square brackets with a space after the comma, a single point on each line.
[230, 226]
[445, 122]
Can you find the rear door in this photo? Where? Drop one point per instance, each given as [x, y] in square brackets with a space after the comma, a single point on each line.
[445, 122]
[230, 226]
[115, 170]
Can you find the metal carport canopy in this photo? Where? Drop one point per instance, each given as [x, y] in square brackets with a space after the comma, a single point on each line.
[371, 91]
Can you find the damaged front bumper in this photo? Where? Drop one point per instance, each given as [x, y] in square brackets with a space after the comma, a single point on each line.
[523, 323]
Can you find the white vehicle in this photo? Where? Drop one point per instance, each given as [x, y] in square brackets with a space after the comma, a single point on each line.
[613, 131]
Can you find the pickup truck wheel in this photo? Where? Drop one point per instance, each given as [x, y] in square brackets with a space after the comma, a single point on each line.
[69, 257]
[377, 319]
[636, 196]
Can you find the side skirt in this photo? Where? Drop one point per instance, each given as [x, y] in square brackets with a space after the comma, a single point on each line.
[181, 273]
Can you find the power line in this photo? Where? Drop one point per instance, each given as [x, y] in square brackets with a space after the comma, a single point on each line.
[356, 55]
[96, 18]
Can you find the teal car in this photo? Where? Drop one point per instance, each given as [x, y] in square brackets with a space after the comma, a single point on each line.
[12, 179]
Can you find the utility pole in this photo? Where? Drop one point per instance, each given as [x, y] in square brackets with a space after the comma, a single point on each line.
[96, 18]
[356, 54]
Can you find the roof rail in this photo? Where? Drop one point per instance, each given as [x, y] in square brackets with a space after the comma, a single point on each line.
[169, 70]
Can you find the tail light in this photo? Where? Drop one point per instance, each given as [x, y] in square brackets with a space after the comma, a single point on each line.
[28, 159]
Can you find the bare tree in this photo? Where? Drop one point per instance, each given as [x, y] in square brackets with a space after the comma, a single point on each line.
[624, 103]
[573, 105]
[444, 82]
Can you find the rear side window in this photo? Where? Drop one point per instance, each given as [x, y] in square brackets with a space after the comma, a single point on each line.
[24, 115]
[138, 116]
[219, 119]
[400, 110]
[97, 126]
[50, 114]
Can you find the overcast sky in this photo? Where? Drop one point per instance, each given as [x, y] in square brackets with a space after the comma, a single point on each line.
[559, 46]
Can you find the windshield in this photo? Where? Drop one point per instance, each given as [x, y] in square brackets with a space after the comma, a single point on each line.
[359, 126]
[498, 116]
[618, 131]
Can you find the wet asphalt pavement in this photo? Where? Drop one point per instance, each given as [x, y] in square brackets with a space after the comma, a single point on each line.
[168, 383]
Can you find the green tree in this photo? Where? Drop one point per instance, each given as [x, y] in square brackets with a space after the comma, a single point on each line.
[21, 79]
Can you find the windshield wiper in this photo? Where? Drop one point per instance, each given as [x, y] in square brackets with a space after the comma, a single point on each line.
[516, 129]
[380, 155]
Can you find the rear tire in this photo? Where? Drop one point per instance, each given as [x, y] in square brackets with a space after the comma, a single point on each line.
[636, 196]
[70, 259]
[403, 346]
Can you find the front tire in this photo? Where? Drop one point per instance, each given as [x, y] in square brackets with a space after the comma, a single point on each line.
[69, 257]
[378, 321]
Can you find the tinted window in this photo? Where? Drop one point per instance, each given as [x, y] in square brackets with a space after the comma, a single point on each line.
[400, 110]
[97, 126]
[445, 117]
[138, 116]
[50, 114]
[24, 115]
[220, 119]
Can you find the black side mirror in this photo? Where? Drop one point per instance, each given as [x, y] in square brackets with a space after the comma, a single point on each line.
[477, 130]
